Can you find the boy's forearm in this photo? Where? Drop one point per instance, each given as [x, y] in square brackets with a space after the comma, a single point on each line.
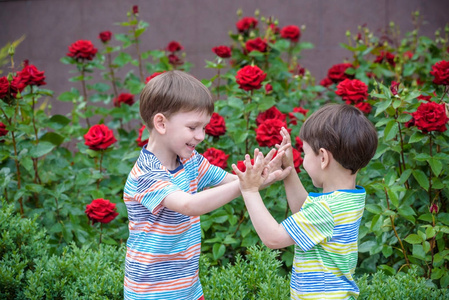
[295, 192]
[204, 201]
[272, 234]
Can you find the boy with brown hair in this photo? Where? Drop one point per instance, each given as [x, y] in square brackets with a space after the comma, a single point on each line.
[338, 141]
[165, 191]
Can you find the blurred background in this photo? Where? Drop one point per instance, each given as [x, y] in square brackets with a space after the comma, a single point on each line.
[50, 26]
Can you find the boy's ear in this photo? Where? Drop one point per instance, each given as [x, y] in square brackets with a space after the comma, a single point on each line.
[159, 123]
[325, 157]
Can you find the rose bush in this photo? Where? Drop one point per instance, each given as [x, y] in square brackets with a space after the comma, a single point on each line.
[49, 170]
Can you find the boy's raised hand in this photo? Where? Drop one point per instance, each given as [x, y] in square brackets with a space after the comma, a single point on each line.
[286, 147]
[255, 175]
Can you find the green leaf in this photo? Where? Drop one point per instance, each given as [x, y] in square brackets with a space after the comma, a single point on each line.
[107, 240]
[58, 121]
[391, 130]
[52, 137]
[430, 232]
[122, 59]
[436, 166]
[444, 280]
[382, 106]
[413, 239]
[41, 149]
[218, 250]
[417, 136]
[421, 178]
[389, 270]
[373, 208]
[366, 246]
[418, 252]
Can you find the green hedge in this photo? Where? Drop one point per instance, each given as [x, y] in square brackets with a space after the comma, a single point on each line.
[29, 271]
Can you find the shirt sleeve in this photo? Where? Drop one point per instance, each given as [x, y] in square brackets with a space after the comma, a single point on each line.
[312, 225]
[208, 174]
[152, 188]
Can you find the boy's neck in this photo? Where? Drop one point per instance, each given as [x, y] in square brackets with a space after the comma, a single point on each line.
[170, 162]
[338, 178]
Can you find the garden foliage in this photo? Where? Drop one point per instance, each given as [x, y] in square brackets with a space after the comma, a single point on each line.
[54, 166]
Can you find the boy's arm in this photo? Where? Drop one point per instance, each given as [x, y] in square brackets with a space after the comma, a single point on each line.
[294, 190]
[202, 202]
[213, 198]
[272, 234]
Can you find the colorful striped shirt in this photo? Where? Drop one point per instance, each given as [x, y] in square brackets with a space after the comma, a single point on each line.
[325, 232]
[164, 246]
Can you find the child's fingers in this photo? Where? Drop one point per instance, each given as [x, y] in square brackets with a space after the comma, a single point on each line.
[270, 155]
[237, 171]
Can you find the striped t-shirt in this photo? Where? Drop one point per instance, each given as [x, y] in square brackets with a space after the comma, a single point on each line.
[325, 232]
[164, 246]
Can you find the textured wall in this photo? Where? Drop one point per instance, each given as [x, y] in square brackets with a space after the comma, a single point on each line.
[51, 26]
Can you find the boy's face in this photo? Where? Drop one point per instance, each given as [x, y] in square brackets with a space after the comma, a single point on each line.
[312, 165]
[184, 131]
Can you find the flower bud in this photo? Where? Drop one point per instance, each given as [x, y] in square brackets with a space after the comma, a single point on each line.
[11, 50]
[446, 28]
[433, 208]
[348, 33]
[391, 24]
[257, 13]
[303, 27]
[437, 33]
[10, 77]
[239, 12]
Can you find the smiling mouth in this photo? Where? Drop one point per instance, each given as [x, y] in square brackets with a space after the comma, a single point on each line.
[191, 145]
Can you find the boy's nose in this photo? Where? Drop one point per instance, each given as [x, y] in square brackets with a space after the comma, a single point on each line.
[200, 134]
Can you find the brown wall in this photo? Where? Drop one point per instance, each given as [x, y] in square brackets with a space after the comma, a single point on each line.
[51, 26]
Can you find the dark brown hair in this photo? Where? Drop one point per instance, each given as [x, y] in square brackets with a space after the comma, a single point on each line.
[344, 131]
[172, 92]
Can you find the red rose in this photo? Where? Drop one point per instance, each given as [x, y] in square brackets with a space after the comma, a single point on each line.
[292, 117]
[105, 36]
[297, 159]
[431, 116]
[268, 88]
[152, 76]
[10, 89]
[256, 44]
[440, 71]
[298, 70]
[268, 133]
[174, 46]
[241, 165]
[174, 60]
[135, 9]
[271, 113]
[222, 51]
[337, 72]
[99, 137]
[30, 75]
[352, 91]
[124, 98]
[139, 141]
[326, 82]
[424, 98]
[217, 157]
[82, 50]
[3, 130]
[408, 54]
[274, 28]
[394, 87]
[246, 24]
[385, 56]
[364, 107]
[101, 210]
[291, 32]
[216, 126]
[250, 78]
[299, 144]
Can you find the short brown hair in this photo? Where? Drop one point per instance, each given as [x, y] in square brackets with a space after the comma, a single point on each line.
[344, 131]
[172, 92]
